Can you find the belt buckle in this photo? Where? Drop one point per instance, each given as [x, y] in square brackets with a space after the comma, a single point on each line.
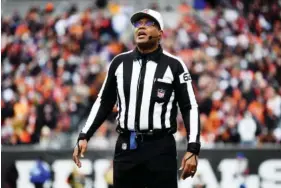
[150, 133]
[139, 135]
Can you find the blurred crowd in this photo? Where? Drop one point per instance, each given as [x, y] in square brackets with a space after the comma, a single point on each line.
[53, 66]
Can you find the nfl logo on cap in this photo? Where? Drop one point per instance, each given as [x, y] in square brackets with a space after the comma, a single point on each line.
[145, 10]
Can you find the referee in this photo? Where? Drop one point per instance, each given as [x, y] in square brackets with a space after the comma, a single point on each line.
[148, 84]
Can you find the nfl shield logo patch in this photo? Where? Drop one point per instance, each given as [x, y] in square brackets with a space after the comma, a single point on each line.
[160, 93]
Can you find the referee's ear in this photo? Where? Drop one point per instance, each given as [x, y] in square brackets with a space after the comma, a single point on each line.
[160, 35]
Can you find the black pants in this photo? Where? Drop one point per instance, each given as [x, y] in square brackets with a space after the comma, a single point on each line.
[38, 185]
[152, 165]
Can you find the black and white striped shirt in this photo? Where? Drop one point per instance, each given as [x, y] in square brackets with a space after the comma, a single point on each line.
[147, 88]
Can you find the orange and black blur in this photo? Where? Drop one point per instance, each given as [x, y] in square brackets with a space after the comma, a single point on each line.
[54, 62]
[54, 58]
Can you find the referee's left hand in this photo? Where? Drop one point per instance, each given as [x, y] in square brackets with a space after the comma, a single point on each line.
[188, 165]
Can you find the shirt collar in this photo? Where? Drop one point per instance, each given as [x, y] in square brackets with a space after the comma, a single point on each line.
[149, 56]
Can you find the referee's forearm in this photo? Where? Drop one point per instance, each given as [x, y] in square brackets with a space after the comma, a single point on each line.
[97, 116]
[192, 124]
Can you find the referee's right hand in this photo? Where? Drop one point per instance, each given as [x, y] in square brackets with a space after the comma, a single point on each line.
[79, 151]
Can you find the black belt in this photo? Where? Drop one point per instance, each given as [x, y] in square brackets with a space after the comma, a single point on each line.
[147, 135]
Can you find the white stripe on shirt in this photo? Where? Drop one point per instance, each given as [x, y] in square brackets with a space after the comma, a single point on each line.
[119, 77]
[146, 94]
[133, 95]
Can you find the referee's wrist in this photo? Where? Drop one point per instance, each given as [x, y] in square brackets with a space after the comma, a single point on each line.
[82, 136]
[194, 148]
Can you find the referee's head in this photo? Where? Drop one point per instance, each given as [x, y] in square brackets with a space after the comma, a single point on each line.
[148, 27]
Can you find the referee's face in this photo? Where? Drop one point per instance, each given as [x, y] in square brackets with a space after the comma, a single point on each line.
[146, 32]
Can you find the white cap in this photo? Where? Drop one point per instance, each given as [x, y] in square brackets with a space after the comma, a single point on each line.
[156, 16]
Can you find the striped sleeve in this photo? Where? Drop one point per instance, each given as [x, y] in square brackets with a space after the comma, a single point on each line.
[188, 106]
[104, 103]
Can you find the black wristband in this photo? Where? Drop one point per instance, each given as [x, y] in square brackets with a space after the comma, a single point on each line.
[82, 136]
[194, 148]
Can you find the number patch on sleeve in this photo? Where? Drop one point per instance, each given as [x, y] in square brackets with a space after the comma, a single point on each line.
[184, 77]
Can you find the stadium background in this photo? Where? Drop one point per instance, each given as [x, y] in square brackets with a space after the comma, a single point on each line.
[54, 55]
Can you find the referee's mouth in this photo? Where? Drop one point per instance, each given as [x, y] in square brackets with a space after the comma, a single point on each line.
[141, 35]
